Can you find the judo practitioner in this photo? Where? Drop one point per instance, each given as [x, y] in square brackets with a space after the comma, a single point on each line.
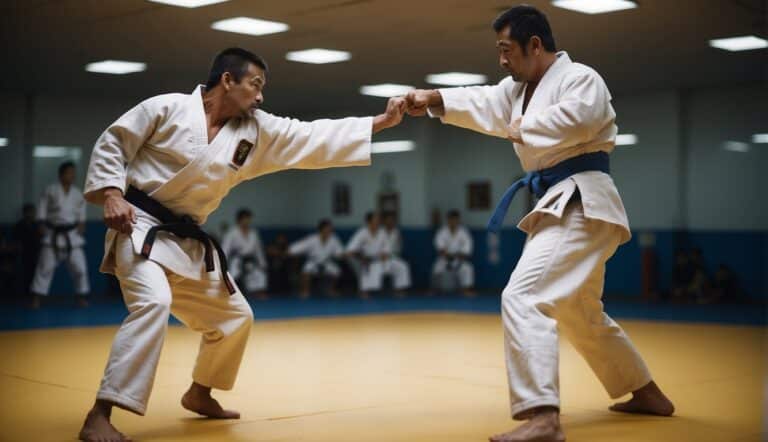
[559, 116]
[394, 246]
[322, 250]
[159, 171]
[369, 250]
[453, 244]
[243, 248]
[61, 212]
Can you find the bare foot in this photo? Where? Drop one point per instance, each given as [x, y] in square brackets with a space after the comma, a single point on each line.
[647, 400]
[97, 427]
[198, 399]
[468, 293]
[543, 426]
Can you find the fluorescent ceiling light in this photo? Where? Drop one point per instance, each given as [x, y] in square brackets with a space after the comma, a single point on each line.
[760, 138]
[386, 89]
[117, 67]
[250, 26]
[626, 139]
[57, 152]
[189, 3]
[318, 56]
[744, 43]
[456, 78]
[392, 146]
[3, 142]
[595, 6]
[736, 146]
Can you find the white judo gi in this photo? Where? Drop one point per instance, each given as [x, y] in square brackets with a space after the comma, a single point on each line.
[245, 254]
[320, 254]
[455, 243]
[58, 208]
[559, 278]
[373, 246]
[161, 147]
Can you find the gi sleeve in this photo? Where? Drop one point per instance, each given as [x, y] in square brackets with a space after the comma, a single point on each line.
[484, 109]
[286, 143]
[117, 146]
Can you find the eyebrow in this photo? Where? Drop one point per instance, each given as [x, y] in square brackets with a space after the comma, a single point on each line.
[259, 79]
[502, 43]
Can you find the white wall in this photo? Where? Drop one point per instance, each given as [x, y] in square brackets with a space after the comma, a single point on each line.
[722, 187]
[727, 190]
[647, 174]
[12, 155]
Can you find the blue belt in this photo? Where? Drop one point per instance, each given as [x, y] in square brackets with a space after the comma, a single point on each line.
[540, 181]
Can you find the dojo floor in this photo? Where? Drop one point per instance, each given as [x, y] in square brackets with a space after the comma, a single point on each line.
[392, 377]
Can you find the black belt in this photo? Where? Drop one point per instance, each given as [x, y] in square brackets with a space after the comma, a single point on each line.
[245, 261]
[181, 226]
[60, 230]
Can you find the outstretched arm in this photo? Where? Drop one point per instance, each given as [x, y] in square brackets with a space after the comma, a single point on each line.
[485, 109]
[286, 143]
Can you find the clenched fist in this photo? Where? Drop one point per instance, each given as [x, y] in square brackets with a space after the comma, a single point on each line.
[420, 100]
[392, 116]
[119, 214]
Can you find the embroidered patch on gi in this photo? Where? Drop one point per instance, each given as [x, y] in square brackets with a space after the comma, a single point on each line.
[241, 153]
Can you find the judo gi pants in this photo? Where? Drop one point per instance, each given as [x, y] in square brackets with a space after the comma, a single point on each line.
[46, 266]
[254, 279]
[464, 271]
[372, 274]
[558, 282]
[151, 295]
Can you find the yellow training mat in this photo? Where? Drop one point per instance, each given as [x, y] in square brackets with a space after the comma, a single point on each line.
[388, 378]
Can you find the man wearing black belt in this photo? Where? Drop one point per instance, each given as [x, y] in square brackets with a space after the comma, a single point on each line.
[159, 171]
[61, 213]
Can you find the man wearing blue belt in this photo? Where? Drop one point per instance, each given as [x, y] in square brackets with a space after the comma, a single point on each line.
[559, 117]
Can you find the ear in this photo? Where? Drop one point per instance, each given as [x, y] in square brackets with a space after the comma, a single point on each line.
[226, 80]
[535, 44]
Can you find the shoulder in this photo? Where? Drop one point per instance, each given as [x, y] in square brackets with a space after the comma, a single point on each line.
[160, 104]
[576, 73]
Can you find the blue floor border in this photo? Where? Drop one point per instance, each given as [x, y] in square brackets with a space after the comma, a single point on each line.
[111, 311]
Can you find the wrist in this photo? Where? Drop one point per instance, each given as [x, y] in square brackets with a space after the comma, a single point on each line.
[380, 122]
[113, 192]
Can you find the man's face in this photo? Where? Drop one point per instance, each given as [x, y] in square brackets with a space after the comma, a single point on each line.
[29, 213]
[244, 222]
[511, 57]
[453, 222]
[389, 222]
[67, 176]
[326, 231]
[373, 224]
[247, 94]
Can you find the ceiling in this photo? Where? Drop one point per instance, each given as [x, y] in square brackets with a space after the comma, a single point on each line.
[660, 45]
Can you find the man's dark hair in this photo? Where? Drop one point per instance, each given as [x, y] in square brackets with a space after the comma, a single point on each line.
[323, 223]
[454, 214]
[64, 166]
[369, 216]
[524, 22]
[235, 61]
[243, 213]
